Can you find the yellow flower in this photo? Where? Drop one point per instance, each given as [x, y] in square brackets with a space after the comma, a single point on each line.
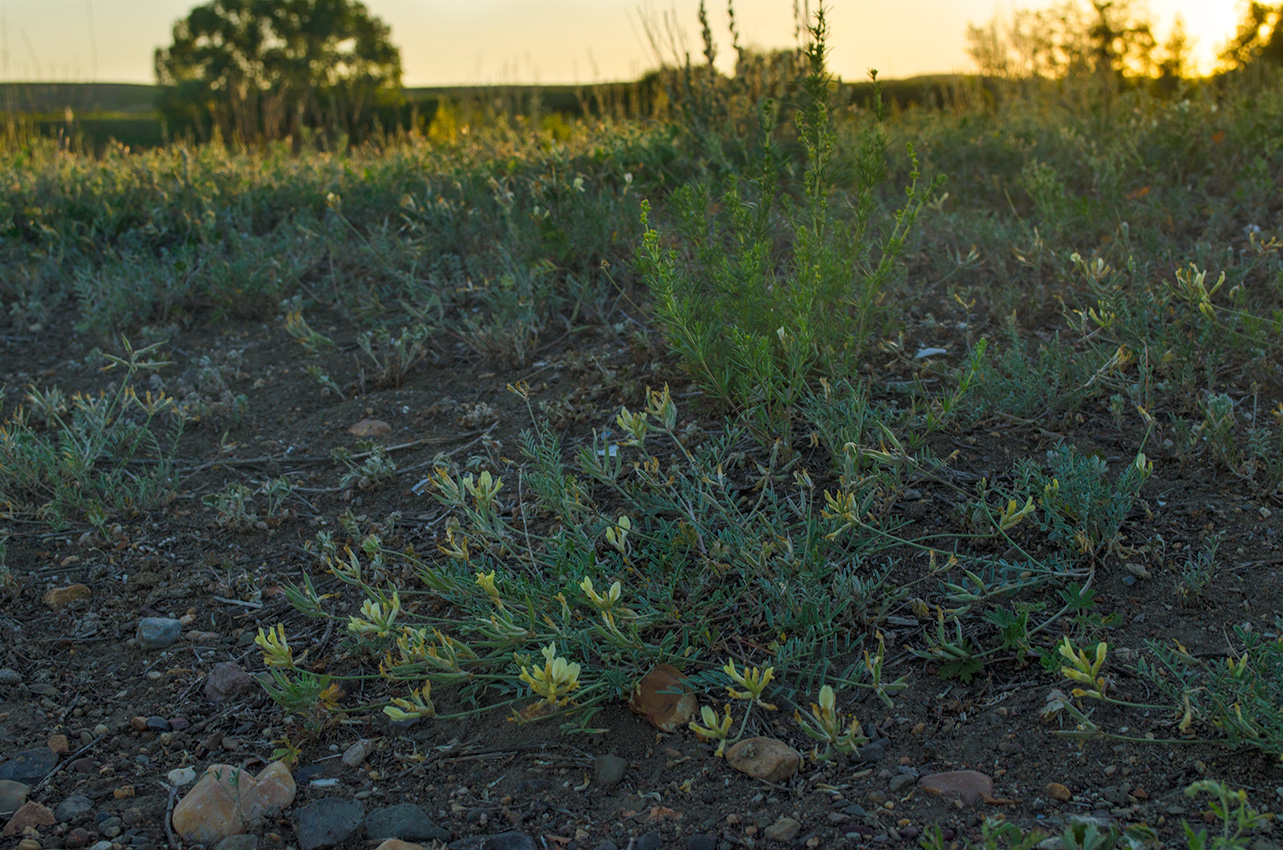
[276, 649]
[714, 728]
[486, 582]
[379, 617]
[602, 602]
[555, 681]
[753, 680]
[418, 705]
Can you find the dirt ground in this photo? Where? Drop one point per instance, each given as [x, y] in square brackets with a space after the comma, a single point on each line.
[79, 672]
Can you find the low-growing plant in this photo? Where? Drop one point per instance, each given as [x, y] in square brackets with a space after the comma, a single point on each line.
[392, 357]
[1080, 508]
[101, 457]
[367, 469]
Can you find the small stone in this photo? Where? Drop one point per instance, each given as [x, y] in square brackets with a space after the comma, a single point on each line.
[901, 781]
[664, 698]
[29, 815]
[124, 792]
[873, 751]
[10, 677]
[968, 785]
[227, 681]
[156, 723]
[327, 823]
[12, 796]
[764, 758]
[1009, 748]
[58, 743]
[509, 841]
[370, 428]
[30, 844]
[61, 598]
[404, 821]
[649, 841]
[398, 844]
[784, 829]
[355, 754]
[701, 842]
[609, 769]
[29, 766]
[73, 807]
[157, 632]
[1056, 791]
[181, 776]
[139, 723]
[238, 842]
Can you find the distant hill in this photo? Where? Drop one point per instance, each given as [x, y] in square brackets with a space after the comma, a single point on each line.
[55, 98]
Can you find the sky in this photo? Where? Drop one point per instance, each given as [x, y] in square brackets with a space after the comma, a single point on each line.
[454, 42]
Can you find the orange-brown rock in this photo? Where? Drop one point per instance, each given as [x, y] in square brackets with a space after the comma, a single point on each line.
[60, 598]
[664, 698]
[228, 801]
[966, 785]
[370, 428]
[764, 758]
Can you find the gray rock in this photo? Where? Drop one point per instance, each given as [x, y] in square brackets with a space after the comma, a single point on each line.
[327, 823]
[29, 765]
[649, 841]
[238, 842]
[607, 845]
[72, 808]
[406, 821]
[609, 769]
[156, 723]
[157, 632]
[226, 682]
[509, 841]
[12, 796]
[901, 781]
[701, 842]
[872, 751]
[784, 829]
[10, 676]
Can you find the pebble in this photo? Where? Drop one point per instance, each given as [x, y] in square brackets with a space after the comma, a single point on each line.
[509, 841]
[701, 842]
[180, 776]
[227, 681]
[357, 753]
[10, 677]
[157, 632]
[398, 844]
[609, 769]
[238, 842]
[156, 723]
[901, 781]
[784, 829]
[12, 796]
[872, 751]
[649, 841]
[30, 844]
[327, 823]
[59, 598]
[406, 821]
[970, 786]
[29, 765]
[1056, 791]
[764, 758]
[73, 807]
[58, 743]
[29, 815]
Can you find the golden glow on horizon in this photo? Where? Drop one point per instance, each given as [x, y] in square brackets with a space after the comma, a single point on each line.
[451, 42]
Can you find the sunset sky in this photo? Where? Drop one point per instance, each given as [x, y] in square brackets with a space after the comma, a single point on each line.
[448, 42]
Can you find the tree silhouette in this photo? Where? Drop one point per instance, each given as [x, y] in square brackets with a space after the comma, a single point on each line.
[265, 69]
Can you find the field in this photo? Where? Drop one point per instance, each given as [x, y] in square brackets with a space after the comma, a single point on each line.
[942, 440]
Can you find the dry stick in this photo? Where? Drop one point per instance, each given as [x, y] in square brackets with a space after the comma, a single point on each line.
[304, 459]
[169, 816]
[50, 775]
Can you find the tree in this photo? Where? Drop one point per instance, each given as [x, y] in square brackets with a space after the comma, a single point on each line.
[1259, 37]
[265, 69]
